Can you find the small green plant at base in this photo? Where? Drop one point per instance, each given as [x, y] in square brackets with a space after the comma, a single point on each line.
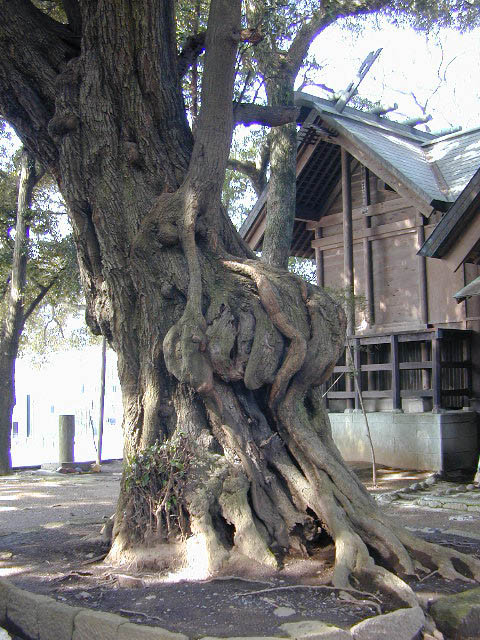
[155, 482]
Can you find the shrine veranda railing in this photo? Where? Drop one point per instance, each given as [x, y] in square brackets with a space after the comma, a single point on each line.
[432, 364]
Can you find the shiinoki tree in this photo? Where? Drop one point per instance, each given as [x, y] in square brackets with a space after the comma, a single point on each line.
[227, 442]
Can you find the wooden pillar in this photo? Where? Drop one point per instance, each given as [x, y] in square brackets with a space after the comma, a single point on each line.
[367, 251]
[467, 359]
[426, 373]
[371, 383]
[436, 374]
[348, 276]
[357, 363]
[396, 398]
[320, 269]
[422, 267]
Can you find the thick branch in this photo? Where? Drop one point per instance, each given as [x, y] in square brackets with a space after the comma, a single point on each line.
[34, 50]
[74, 15]
[298, 49]
[47, 23]
[321, 19]
[193, 47]
[267, 116]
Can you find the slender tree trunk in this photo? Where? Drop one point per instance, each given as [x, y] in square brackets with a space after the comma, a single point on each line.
[13, 323]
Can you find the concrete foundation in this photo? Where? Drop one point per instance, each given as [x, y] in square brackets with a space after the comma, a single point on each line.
[444, 442]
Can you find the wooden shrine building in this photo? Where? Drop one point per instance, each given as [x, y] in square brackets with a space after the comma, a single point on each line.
[370, 191]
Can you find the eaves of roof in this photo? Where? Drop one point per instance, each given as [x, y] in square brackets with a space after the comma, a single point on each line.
[454, 221]
[382, 162]
[395, 150]
[398, 153]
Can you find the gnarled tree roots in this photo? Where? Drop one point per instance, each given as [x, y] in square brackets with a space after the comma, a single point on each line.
[266, 479]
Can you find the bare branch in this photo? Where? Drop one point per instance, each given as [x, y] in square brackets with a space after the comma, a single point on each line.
[41, 295]
[264, 159]
[309, 83]
[300, 44]
[247, 81]
[193, 47]
[268, 116]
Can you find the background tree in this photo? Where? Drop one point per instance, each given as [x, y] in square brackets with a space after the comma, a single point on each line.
[220, 355]
[37, 267]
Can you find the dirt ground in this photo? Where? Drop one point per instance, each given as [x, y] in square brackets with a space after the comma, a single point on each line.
[50, 544]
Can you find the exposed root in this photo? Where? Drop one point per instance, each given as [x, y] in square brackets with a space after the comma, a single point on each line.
[234, 577]
[440, 558]
[388, 582]
[236, 510]
[318, 587]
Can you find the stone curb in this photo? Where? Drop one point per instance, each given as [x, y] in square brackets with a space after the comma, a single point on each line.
[39, 617]
[458, 497]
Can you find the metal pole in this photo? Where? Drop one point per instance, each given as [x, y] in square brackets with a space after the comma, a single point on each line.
[102, 401]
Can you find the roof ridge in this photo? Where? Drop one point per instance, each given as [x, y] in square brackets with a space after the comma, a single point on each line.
[450, 136]
[368, 118]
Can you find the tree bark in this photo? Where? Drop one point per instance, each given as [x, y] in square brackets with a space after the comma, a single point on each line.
[227, 444]
[13, 323]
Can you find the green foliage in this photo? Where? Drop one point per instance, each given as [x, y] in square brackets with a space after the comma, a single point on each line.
[155, 482]
[52, 261]
[238, 194]
[6, 135]
[263, 60]
[53, 8]
[425, 14]
[304, 268]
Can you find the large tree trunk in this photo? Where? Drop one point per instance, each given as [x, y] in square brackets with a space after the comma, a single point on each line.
[12, 325]
[281, 200]
[227, 442]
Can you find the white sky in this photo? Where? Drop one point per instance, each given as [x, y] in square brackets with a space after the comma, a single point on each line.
[409, 61]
